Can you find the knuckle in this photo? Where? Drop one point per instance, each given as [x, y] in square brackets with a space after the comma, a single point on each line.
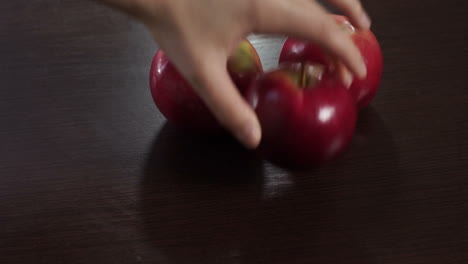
[329, 33]
[258, 14]
[357, 6]
[353, 8]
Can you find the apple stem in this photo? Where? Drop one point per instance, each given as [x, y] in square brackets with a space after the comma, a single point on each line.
[303, 76]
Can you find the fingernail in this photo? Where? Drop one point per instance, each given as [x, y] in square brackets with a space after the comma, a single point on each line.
[347, 79]
[363, 70]
[366, 21]
[250, 135]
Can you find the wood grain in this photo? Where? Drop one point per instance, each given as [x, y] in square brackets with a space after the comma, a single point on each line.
[90, 172]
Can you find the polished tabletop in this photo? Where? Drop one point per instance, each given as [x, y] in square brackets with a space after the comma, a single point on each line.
[90, 171]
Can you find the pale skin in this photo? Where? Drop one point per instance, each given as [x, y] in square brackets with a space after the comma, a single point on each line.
[199, 35]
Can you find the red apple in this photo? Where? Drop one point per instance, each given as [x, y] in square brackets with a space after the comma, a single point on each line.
[178, 102]
[307, 117]
[363, 91]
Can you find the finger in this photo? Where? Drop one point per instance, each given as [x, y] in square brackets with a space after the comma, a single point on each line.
[215, 87]
[354, 10]
[345, 76]
[341, 71]
[311, 22]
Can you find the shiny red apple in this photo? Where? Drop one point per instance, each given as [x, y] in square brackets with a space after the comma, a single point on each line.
[307, 116]
[178, 102]
[363, 91]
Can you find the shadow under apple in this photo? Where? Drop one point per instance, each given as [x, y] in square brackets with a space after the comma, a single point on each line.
[203, 201]
[361, 187]
[179, 155]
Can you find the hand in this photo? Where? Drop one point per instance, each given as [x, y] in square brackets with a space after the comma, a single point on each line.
[199, 35]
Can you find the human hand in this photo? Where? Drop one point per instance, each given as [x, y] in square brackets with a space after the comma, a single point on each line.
[198, 36]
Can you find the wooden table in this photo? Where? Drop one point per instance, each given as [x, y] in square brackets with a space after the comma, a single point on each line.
[91, 173]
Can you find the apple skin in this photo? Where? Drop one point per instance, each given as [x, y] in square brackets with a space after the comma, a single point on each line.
[178, 102]
[363, 91]
[303, 124]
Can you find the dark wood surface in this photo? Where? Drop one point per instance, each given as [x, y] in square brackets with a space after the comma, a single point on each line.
[91, 173]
